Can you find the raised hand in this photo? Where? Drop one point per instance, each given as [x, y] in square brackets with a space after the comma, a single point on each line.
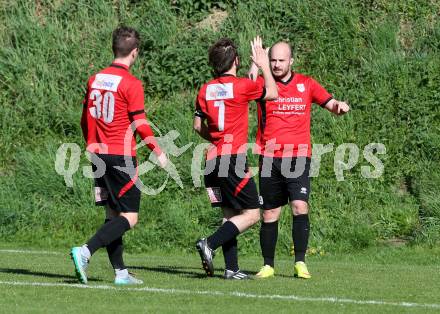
[260, 56]
[257, 42]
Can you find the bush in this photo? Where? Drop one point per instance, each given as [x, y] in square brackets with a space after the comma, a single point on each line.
[381, 56]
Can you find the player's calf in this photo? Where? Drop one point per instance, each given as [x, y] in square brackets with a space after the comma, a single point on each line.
[246, 219]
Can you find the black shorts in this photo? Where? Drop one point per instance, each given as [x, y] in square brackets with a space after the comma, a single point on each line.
[281, 182]
[115, 187]
[229, 183]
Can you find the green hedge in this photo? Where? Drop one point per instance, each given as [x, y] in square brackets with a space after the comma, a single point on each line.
[382, 56]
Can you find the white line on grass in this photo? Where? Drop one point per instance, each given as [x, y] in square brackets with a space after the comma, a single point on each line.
[31, 252]
[224, 294]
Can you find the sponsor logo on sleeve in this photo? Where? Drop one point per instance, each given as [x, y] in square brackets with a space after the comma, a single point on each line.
[108, 82]
[220, 91]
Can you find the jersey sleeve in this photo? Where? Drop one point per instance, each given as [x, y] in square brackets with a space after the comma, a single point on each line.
[319, 94]
[200, 105]
[254, 90]
[135, 98]
[84, 126]
[136, 111]
[144, 130]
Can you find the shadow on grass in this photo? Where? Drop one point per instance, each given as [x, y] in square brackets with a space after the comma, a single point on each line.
[20, 271]
[189, 272]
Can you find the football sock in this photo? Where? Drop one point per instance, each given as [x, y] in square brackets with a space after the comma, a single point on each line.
[300, 235]
[108, 233]
[121, 273]
[230, 254]
[223, 234]
[85, 251]
[268, 241]
[114, 252]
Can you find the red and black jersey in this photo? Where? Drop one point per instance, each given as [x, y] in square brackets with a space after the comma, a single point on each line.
[115, 99]
[284, 123]
[224, 102]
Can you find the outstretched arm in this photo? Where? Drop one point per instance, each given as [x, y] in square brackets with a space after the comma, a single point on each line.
[337, 107]
[136, 113]
[147, 135]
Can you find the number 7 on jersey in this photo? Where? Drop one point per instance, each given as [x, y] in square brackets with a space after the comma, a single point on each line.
[221, 114]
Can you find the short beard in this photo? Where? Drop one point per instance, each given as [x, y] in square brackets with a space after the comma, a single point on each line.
[279, 77]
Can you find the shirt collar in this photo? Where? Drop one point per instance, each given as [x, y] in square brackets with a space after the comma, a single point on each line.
[119, 65]
[292, 74]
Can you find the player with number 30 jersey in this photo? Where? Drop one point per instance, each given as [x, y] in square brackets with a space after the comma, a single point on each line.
[114, 103]
[114, 99]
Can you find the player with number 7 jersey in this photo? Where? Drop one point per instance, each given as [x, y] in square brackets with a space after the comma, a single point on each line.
[223, 101]
[221, 117]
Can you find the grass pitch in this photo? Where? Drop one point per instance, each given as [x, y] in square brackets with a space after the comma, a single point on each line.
[380, 280]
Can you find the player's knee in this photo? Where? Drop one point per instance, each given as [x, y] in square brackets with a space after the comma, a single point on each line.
[131, 218]
[271, 215]
[267, 215]
[300, 208]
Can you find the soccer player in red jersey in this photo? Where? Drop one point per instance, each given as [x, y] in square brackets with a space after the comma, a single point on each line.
[114, 102]
[221, 117]
[285, 153]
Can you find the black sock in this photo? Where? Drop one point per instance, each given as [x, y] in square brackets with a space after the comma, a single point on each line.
[230, 254]
[223, 234]
[300, 235]
[109, 232]
[268, 241]
[114, 252]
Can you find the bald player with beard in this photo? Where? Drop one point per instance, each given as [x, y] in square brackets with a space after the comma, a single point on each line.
[283, 139]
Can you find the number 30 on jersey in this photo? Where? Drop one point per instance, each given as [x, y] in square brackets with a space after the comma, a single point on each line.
[104, 105]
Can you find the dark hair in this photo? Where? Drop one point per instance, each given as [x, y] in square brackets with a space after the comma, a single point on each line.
[222, 55]
[125, 39]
